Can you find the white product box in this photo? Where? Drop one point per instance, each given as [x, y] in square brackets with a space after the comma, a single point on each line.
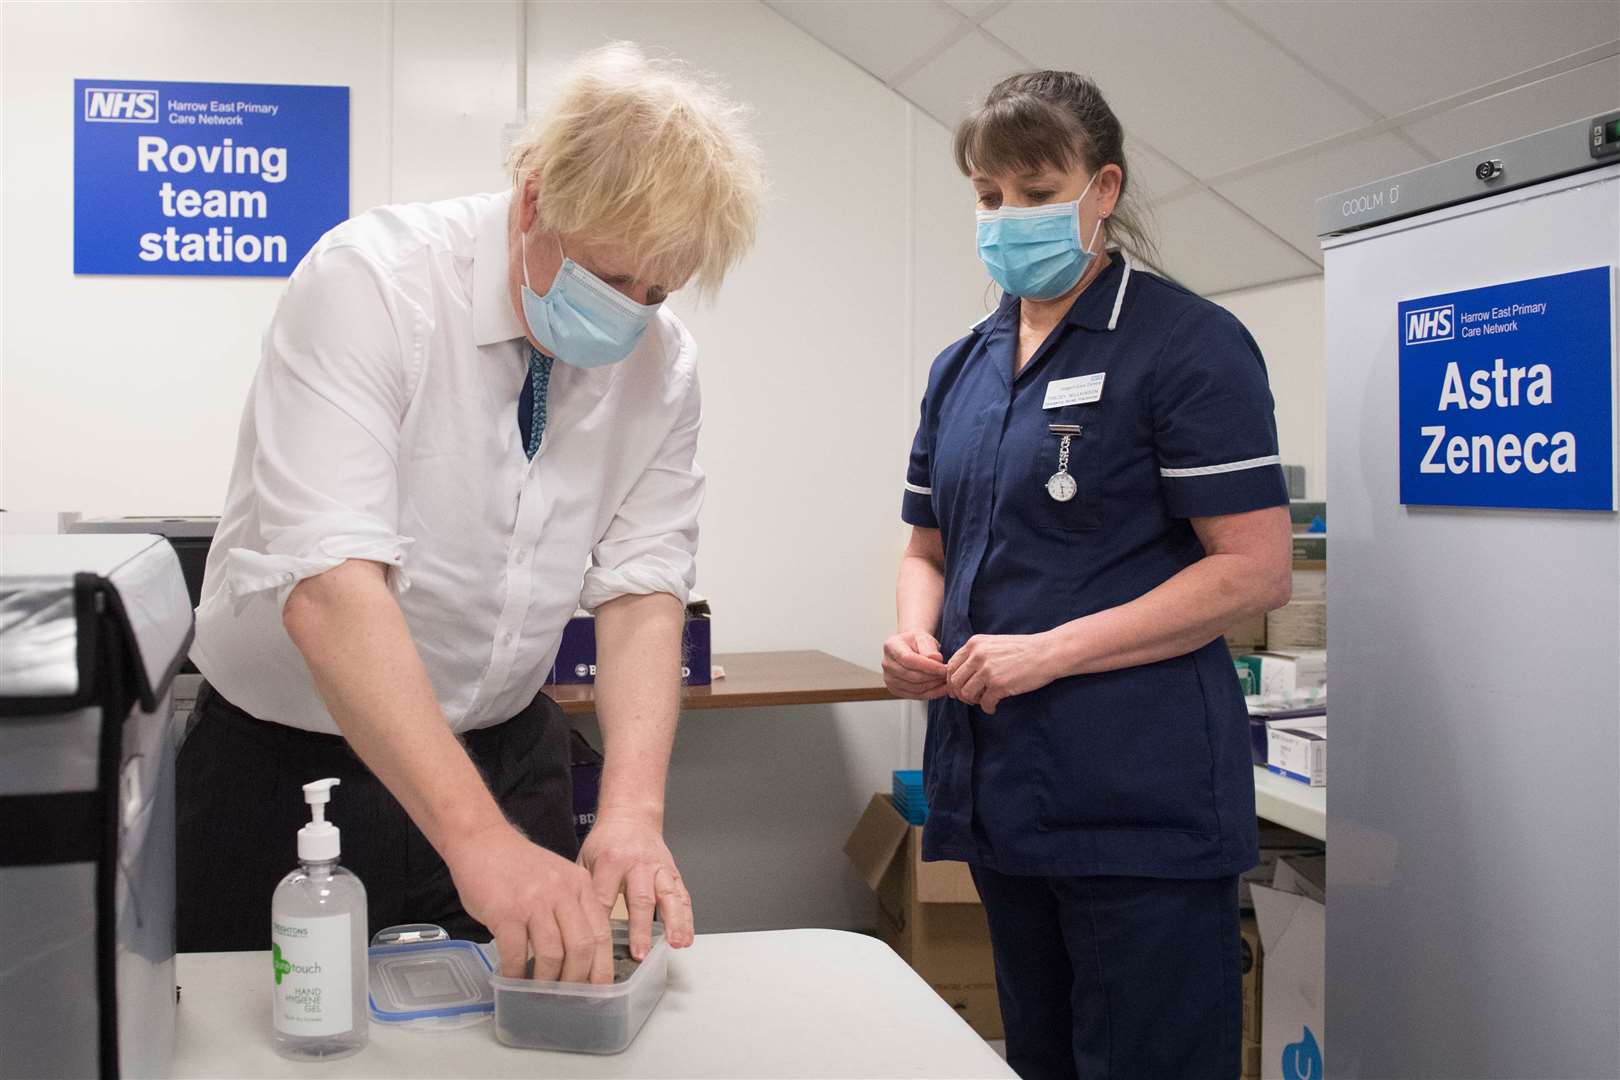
[1297, 749]
[1289, 675]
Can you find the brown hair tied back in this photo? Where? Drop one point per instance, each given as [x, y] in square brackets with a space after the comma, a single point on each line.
[1054, 119]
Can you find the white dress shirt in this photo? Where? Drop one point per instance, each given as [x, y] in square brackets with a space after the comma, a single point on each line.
[382, 425]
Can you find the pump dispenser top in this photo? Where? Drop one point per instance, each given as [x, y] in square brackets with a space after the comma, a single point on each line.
[319, 840]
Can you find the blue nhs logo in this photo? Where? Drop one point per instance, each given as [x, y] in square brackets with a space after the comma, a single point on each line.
[1431, 324]
[113, 106]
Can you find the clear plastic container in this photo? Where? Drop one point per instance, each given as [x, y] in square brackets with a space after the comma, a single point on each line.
[422, 980]
[582, 1017]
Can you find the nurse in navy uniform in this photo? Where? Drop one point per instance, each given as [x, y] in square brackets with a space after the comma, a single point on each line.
[1095, 495]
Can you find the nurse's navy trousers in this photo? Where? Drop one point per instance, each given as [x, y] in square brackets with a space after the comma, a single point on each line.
[1117, 978]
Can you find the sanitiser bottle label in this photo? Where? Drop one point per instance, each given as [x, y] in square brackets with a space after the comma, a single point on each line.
[313, 990]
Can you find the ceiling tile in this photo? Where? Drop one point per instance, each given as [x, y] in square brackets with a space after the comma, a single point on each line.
[883, 38]
[1187, 77]
[973, 8]
[948, 85]
[1397, 57]
[1211, 248]
[1153, 175]
[1283, 198]
[1574, 95]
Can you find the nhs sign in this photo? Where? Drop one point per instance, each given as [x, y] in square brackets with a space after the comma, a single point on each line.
[115, 106]
[1431, 324]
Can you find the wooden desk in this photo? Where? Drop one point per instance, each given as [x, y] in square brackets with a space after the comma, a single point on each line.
[759, 680]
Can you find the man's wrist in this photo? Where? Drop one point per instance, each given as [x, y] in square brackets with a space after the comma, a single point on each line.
[647, 814]
[470, 824]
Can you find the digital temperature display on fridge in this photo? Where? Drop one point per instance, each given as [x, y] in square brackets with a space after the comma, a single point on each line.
[1606, 135]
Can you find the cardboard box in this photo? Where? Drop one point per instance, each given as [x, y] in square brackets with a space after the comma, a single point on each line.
[1248, 635]
[1252, 982]
[1288, 677]
[1276, 843]
[929, 913]
[576, 655]
[1297, 749]
[1293, 941]
[586, 766]
[1298, 625]
[1310, 551]
[1302, 875]
[1310, 581]
[1251, 1060]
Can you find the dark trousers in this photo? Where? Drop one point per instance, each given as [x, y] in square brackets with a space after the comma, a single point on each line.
[240, 805]
[1117, 978]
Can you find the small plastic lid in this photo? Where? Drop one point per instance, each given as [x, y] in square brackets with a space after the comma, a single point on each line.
[420, 977]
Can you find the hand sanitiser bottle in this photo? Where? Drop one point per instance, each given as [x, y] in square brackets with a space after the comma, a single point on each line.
[318, 947]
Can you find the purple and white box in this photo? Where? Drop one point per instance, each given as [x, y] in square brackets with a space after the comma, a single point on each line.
[576, 656]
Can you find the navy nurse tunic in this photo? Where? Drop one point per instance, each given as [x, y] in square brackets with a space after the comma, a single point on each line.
[1144, 771]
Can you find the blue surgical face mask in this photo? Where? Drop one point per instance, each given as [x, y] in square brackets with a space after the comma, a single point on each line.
[582, 320]
[1035, 251]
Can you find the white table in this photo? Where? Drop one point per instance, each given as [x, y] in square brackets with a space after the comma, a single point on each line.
[787, 1003]
[1288, 802]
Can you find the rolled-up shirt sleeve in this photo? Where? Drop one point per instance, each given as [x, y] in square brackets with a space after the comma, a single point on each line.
[650, 545]
[326, 409]
[1213, 421]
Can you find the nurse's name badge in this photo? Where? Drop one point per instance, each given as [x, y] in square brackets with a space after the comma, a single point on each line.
[1081, 390]
[1061, 485]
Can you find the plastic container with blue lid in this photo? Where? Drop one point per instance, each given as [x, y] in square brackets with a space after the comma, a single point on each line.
[422, 979]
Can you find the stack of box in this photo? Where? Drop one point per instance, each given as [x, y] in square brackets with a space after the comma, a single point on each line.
[586, 765]
[576, 652]
[1302, 622]
[1292, 916]
[929, 913]
[1275, 952]
[1250, 931]
[1263, 717]
[1297, 749]
[909, 800]
[1286, 679]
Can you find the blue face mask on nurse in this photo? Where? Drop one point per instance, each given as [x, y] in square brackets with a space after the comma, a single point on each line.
[1030, 245]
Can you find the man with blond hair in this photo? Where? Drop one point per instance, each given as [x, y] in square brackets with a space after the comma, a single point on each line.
[471, 418]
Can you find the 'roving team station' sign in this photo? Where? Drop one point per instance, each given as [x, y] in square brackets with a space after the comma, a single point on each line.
[1507, 395]
[205, 178]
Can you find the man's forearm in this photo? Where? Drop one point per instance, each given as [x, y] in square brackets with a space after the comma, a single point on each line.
[638, 686]
[353, 636]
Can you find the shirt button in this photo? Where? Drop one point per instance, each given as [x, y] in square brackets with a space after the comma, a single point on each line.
[507, 640]
[522, 557]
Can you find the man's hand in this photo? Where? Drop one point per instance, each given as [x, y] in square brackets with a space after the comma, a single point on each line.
[913, 666]
[535, 902]
[993, 667]
[627, 855]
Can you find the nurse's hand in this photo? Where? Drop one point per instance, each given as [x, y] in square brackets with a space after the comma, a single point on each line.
[625, 854]
[913, 666]
[536, 903]
[993, 667]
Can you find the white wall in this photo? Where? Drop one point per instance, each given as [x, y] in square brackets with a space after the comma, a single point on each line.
[122, 394]
[1286, 321]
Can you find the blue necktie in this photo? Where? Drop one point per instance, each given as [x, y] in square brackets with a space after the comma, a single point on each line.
[532, 402]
